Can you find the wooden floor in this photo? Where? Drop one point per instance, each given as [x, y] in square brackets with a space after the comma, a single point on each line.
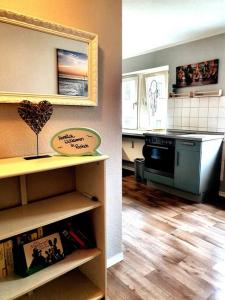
[173, 249]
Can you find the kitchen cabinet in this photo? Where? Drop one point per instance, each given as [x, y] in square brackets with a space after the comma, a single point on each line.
[222, 178]
[197, 166]
[187, 166]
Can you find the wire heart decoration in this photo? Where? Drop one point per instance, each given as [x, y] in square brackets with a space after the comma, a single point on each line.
[36, 115]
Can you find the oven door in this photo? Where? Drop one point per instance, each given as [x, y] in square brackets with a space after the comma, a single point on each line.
[159, 159]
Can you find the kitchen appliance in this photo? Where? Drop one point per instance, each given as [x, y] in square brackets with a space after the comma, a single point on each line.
[159, 154]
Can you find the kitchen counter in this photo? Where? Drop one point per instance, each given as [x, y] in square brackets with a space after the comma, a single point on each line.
[173, 134]
[134, 133]
[187, 136]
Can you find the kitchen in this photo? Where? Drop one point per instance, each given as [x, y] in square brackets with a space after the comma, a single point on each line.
[194, 113]
[173, 218]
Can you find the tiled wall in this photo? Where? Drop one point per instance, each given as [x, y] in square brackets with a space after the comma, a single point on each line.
[202, 114]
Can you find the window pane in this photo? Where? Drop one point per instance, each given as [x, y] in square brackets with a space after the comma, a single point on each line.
[129, 102]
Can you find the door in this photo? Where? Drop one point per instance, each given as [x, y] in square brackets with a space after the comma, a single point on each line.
[187, 170]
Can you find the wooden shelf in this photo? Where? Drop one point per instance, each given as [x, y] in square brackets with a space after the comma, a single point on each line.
[18, 166]
[64, 288]
[15, 286]
[197, 94]
[24, 218]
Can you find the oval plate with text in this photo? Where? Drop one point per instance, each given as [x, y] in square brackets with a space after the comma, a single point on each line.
[76, 142]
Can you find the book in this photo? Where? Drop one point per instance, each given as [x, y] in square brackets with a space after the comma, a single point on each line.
[30, 236]
[77, 239]
[42, 253]
[69, 245]
[40, 232]
[2, 261]
[8, 251]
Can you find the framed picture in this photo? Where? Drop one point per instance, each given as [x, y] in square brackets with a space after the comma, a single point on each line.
[52, 62]
[202, 73]
[72, 70]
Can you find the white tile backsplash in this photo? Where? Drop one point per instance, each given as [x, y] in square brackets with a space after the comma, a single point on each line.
[199, 114]
[221, 113]
[186, 112]
[193, 122]
[222, 130]
[212, 122]
[203, 102]
[194, 112]
[185, 122]
[178, 102]
[203, 112]
[213, 102]
[177, 121]
[221, 123]
[171, 103]
[186, 102]
[222, 101]
[194, 102]
[202, 122]
[177, 112]
[212, 129]
[193, 128]
[213, 112]
[170, 122]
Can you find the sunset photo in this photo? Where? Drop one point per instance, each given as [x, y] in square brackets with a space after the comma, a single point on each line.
[72, 73]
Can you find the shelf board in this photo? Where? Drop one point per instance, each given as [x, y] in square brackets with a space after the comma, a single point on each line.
[19, 166]
[24, 218]
[14, 286]
[73, 285]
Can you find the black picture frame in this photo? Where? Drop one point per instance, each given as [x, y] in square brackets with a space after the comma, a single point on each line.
[197, 74]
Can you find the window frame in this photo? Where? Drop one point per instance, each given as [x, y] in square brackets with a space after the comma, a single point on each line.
[141, 75]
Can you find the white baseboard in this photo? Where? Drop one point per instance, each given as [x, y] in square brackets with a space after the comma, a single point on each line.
[114, 259]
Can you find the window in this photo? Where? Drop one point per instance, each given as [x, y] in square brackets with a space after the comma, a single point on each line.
[144, 99]
[129, 102]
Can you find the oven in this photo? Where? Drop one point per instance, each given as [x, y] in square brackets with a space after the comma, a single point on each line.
[159, 154]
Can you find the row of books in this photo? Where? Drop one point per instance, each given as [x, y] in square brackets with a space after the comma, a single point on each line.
[6, 258]
[32, 251]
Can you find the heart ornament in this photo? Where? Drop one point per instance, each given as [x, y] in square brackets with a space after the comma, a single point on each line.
[36, 115]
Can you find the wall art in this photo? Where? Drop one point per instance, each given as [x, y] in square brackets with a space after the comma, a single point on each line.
[32, 72]
[72, 73]
[202, 73]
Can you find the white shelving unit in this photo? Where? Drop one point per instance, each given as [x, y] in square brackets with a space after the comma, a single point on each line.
[80, 275]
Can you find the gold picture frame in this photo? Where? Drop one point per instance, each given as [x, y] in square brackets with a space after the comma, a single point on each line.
[80, 38]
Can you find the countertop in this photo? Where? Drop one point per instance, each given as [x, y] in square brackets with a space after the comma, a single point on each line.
[183, 135]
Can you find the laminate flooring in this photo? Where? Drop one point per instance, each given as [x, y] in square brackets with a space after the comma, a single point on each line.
[173, 248]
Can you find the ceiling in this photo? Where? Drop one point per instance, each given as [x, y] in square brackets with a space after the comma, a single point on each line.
[150, 25]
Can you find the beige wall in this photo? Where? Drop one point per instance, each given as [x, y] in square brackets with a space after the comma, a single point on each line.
[104, 18]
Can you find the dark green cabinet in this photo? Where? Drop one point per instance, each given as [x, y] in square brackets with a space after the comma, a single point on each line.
[187, 166]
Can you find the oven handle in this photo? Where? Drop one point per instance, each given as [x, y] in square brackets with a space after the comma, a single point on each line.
[158, 147]
[178, 158]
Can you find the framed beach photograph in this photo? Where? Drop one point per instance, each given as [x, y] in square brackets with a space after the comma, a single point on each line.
[72, 70]
[202, 73]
